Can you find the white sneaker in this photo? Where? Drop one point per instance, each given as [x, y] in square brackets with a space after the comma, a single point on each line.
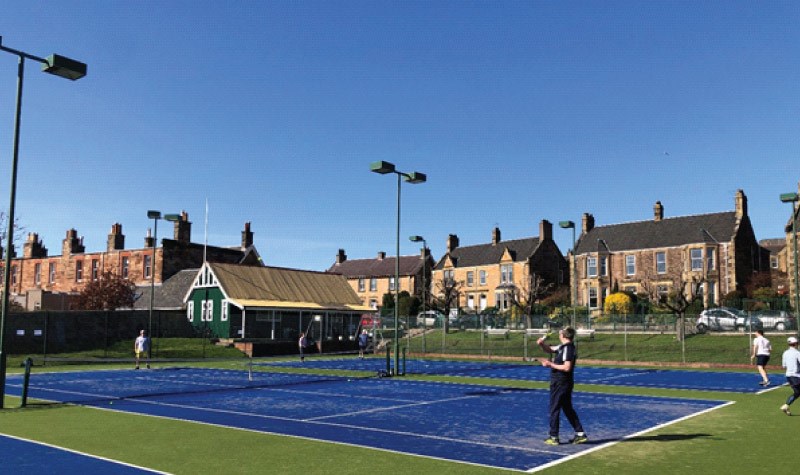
[785, 409]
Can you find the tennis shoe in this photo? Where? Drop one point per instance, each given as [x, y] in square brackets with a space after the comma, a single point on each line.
[579, 439]
[785, 409]
[552, 441]
[764, 383]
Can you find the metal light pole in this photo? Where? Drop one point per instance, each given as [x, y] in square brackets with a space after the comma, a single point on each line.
[385, 168]
[155, 216]
[794, 198]
[58, 66]
[424, 288]
[574, 277]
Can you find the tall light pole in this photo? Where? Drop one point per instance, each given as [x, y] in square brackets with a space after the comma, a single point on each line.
[58, 66]
[794, 198]
[155, 216]
[574, 277]
[385, 168]
[424, 287]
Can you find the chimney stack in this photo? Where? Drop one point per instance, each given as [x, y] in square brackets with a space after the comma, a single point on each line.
[587, 223]
[452, 242]
[341, 256]
[33, 247]
[495, 236]
[183, 229]
[741, 204]
[545, 230]
[116, 240]
[381, 255]
[72, 244]
[247, 236]
[658, 211]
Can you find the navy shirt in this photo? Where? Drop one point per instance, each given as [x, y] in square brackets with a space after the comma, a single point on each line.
[564, 353]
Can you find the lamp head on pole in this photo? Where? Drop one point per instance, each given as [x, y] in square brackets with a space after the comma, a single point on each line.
[153, 214]
[58, 65]
[567, 224]
[416, 177]
[790, 197]
[382, 167]
[416, 239]
[172, 217]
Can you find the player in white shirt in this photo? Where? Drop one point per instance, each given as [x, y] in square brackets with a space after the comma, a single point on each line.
[761, 353]
[791, 361]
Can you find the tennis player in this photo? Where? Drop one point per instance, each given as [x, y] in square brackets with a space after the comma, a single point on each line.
[363, 340]
[302, 344]
[562, 382]
[791, 361]
[141, 349]
[761, 352]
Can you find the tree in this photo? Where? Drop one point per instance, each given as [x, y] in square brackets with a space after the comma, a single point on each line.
[678, 299]
[19, 230]
[448, 291]
[109, 292]
[532, 289]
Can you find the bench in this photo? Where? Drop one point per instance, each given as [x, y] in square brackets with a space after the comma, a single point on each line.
[537, 331]
[502, 332]
[585, 332]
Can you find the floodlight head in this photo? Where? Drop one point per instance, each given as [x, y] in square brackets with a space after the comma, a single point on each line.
[566, 224]
[790, 197]
[416, 177]
[172, 217]
[416, 239]
[153, 214]
[66, 68]
[382, 167]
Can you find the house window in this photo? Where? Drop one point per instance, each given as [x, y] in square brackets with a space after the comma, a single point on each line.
[78, 271]
[591, 266]
[592, 297]
[630, 265]
[471, 301]
[448, 276]
[710, 259]
[223, 311]
[506, 274]
[373, 284]
[697, 259]
[662, 291]
[361, 284]
[95, 269]
[630, 290]
[482, 277]
[482, 301]
[148, 268]
[391, 283]
[52, 273]
[502, 301]
[603, 265]
[373, 304]
[125, 266]
[37, 274]
[661, 262]
[773, 262]
[470, 279]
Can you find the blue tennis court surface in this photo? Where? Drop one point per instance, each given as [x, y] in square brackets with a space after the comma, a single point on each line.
[26, 457]
[488, 426]
[648, 378]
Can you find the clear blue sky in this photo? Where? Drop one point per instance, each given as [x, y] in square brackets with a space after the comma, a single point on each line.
[516, 111]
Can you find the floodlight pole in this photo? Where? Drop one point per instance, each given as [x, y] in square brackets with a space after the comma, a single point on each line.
[424, 288]
[384, 168]
[574, 277]
[794, 198]
[59, 66]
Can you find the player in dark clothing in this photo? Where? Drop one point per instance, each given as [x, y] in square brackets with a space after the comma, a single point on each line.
[562, 381]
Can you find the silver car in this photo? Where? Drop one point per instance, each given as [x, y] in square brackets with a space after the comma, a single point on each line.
[778, 320]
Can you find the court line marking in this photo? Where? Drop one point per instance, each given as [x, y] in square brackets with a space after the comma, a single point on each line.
[83, 454]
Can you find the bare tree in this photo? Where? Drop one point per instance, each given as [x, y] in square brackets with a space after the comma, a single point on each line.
[19, 230]
[109, 292]
[448, 291]
[531, 291]
[677, 299]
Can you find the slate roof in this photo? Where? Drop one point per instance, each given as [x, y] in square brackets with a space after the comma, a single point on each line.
[409, 265]
[773, 245]
[669, 232]
[251, 286]
[485, 254]
[169, 295]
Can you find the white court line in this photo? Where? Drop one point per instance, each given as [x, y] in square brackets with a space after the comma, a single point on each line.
[83, 454]
[637, 434]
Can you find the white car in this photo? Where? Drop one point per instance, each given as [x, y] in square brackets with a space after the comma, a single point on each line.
[726, 319]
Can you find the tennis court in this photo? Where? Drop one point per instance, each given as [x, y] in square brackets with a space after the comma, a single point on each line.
[646, 378]
[487, 426]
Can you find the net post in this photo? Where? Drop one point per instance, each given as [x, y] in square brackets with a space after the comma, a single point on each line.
[26, 381]
[388, 360]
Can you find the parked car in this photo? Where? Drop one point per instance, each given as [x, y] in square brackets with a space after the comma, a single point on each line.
[726, 319]
[433, 319]
[779, 320]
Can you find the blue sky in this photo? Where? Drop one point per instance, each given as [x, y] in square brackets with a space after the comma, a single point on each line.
[516, 111]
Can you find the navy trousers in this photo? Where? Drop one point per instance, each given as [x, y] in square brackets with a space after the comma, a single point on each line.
[561, 400]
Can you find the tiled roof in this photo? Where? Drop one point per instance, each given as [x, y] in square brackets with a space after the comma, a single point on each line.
[169, 295]
[484, 254]
[670, 232]
[276, 284]
[409, 265]
[773, 245]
